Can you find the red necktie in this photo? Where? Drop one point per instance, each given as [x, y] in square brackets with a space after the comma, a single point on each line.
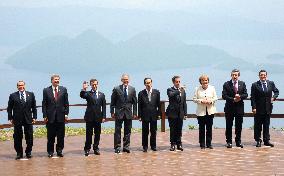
[235, 87]
[55, 94]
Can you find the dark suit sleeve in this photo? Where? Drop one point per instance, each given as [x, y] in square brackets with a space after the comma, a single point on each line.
[66, 102]
[244, 94]
[34, 109]
[10, 107]
[83, 94]
[113, 101]
[253, 95]
[44, 103]
[184, 105]
[140, 103]
[225, 94]
[274, 90]
[104, 106]
[158, 103]
[134, 102]
[172, 92]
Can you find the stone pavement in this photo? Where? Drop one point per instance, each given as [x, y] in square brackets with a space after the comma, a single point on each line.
[192, 161]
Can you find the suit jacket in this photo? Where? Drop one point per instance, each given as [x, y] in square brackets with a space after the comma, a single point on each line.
[209, 94]
[19, 111]
[122, 107]
[52, 108]
[96, 107]
[260, 100]
[228, 94]
[177, 107]
[149, 110]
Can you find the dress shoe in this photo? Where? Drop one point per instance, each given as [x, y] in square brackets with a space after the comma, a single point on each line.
[209, 146]
[87, 152]
[268, 144]
[97, 152]
[145, 149]
[173, 148]
[59, 154]
[239, 145]
[179, 147]
[50, 155]
[258, 143]
[19, 156]
[229, 145]
[29, 155]
[126, 150]
[202, 146]
[117, 151]
[154, 149]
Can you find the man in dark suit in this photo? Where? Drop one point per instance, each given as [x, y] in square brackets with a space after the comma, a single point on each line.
[263, 93]
[22, 112]
[55, 109]
[149, 112]
[234, 92]
[123, 108]
[95, 115]
[176, 112]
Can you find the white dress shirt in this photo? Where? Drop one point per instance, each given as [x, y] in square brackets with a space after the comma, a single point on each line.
[149, 93]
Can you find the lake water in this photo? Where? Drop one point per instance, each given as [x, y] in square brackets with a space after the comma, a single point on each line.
[36, 81]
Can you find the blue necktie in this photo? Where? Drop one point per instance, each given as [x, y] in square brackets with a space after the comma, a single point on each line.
[125, 93]
[22, 97]
[95, 94]
[264, 87]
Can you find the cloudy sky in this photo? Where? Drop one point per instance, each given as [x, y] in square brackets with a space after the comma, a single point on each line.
[261, 10]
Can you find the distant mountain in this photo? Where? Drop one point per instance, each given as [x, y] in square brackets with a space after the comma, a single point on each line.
[275, 57]
[90, 52]
[22, 26]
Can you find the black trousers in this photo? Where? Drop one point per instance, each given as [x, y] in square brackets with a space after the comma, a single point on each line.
[205, 121]
[175, 130]
[127, 133]
[55, 129]
[238, 127]
[259, 121]
[92, 127]
[145, 133]
[18, 137]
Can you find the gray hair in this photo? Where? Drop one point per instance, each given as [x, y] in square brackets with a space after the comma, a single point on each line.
[54, 76]
[124, 74]
[21, 81]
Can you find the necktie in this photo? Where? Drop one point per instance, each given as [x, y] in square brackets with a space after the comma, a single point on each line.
[22, 97]
[125, 92]
[149, 95]
[95, 94]
[55, 94]
[235, 87]
[264, 87]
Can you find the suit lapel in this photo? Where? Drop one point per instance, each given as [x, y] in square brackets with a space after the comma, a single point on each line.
[268, 85]
[59, 92]
[27, 96]
[50, 92]
[17, 96]
[240, 86]
[231, 85]
[259, 86]
[145, 93]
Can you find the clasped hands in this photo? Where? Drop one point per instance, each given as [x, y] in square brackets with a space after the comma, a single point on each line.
[205, 101]
[237, 98]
